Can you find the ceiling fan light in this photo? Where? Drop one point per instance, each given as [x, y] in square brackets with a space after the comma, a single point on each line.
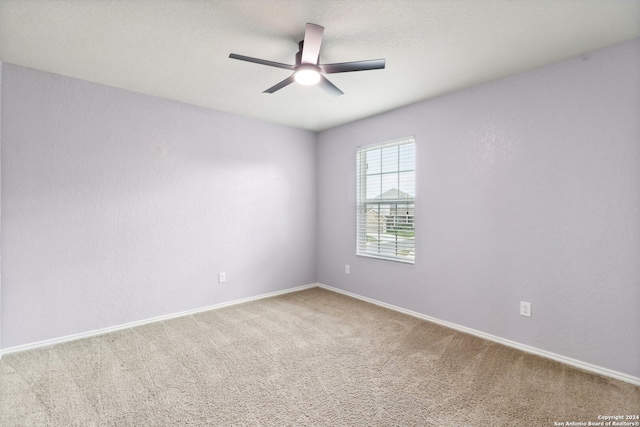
[307, 76]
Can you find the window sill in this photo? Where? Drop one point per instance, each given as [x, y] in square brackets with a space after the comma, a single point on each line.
[400, 260]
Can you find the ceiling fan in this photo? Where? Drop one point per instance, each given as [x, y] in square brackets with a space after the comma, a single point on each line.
[307, 70]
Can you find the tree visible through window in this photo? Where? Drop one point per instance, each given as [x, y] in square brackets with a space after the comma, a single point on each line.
[386, 200]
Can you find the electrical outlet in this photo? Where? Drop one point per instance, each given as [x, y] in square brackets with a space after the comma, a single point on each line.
[347, 269]
[525, 309]
[222, 277]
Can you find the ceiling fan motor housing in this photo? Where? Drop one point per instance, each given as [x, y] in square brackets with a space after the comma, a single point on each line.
[299, 54]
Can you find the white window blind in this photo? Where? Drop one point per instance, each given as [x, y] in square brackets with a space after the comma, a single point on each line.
[386, 200]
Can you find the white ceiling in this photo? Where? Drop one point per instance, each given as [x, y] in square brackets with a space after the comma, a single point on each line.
[179, 49]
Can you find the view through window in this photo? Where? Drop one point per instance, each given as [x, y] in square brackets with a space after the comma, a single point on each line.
[386, 200]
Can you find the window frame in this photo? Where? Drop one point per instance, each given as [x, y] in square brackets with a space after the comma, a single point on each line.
[363, 223]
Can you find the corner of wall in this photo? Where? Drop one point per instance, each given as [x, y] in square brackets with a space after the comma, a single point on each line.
[1, 66]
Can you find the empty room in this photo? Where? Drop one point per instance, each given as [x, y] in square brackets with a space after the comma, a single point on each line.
[320, 213]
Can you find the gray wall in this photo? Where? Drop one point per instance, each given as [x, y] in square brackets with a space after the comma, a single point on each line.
[528, 188]
[119, 207]
[1, 66]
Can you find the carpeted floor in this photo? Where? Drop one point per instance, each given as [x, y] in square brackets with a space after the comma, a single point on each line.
[309, 358]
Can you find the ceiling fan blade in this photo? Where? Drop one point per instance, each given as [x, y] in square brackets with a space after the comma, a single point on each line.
[261, 61]
[285, 82]
[344, 67]
[312, 41]
[329, 87]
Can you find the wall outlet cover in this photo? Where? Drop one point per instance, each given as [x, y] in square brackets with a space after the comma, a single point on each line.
[525, 309]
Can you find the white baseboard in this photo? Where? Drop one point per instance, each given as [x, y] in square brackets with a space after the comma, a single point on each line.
[547, 354]
[102, 331]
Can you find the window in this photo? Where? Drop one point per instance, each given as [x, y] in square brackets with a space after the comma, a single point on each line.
[386, 200]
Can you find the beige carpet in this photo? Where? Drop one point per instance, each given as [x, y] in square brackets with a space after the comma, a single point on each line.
[309, 358]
